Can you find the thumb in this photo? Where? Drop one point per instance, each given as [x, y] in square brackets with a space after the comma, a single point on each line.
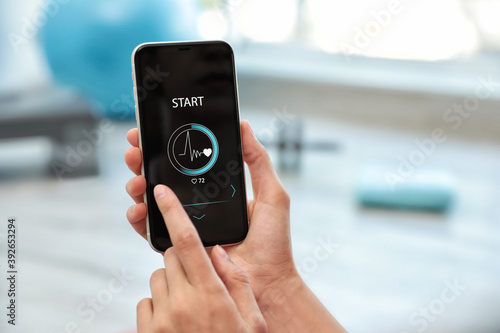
[265, 182]
[236, 282]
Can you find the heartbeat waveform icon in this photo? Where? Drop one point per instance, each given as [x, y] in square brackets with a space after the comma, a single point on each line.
[193, 153]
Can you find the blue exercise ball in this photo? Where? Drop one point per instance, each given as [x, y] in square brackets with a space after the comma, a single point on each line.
[89, 43]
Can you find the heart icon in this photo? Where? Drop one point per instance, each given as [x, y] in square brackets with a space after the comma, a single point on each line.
[194, 180]
[207, 151]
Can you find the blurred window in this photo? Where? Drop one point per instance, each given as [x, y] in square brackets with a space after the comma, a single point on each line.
[394, 29]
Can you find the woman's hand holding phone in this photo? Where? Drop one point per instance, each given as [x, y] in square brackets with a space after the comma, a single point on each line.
[265, 254]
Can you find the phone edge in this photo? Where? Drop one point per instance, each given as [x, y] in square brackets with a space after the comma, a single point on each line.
[138, 121]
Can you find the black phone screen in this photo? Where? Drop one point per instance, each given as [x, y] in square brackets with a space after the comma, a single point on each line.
[190, 136]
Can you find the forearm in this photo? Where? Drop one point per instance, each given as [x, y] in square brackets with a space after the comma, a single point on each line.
[292, 307]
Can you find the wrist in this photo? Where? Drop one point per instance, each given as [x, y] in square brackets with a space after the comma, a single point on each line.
[275, 298]
[290, 306]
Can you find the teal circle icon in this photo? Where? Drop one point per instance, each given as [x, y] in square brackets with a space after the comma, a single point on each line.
[192, 149]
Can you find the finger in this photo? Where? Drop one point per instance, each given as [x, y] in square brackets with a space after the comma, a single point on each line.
[250, 208]
[133, 159]
[144, 314]
[176, 276]
[184, 236]
[136, 215]
[159, 289]
[136, 187]
[265, 183]
[236, 282]
[133, 137]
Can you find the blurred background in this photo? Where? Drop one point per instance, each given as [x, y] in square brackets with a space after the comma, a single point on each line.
[381, 118]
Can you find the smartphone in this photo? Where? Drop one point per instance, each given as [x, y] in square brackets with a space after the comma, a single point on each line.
[189, 133]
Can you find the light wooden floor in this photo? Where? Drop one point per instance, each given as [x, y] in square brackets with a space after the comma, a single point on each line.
[385, 267]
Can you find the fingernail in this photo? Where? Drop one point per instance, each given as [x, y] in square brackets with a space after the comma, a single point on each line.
[222, 253]
[160, 191]
[133, 209]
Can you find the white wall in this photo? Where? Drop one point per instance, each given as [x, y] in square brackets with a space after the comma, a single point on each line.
[22, 66]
